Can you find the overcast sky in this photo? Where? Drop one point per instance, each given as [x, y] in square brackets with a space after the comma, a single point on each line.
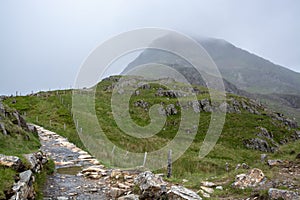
[43, 43]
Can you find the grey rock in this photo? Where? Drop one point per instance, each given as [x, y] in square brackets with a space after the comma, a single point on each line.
[147, 180]
[263, 132]
[169, 93]
[283, 194]
[2, 126]
[273, 163]
[129, 197]
[259, 144]
[253, 178]
[25, 176]
[142, 104]
[205, 105]
[171, 110]
[263, 157]
[179, 192]
[195, 105]
[11, 161]
[219, 187]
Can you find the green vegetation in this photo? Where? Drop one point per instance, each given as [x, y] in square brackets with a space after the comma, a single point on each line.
[16, 143]
[56, 106]
[7, 180]
[40, 179]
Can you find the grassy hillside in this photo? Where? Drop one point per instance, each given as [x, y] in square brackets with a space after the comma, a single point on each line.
[14, 141]
[230, 148]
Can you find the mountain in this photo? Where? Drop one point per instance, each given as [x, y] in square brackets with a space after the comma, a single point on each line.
[250, 72]
[244, 73]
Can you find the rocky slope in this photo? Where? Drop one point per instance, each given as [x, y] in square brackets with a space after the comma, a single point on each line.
[244, 73]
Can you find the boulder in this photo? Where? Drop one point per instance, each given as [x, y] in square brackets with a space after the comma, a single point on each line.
[129, 197]
[11, 161]
[207, 189]
[263, 132]
[263, 157]
[259, 144]
[171, 110]
[253, 178]
[2, 127]
[273, 163]
[149, 181]
[169, 93]
[24, 189]
[36, 161]
[205, 105]
[151, 186]
[242, 166]
[283, 194]
[208, 184]
[142, 104]
[94, 172]
[179, 192]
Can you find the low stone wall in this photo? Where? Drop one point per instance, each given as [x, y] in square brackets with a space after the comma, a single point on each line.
[23, 188]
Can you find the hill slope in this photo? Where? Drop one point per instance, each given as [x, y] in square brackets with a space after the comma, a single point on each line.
[250, 129]
[244, 73]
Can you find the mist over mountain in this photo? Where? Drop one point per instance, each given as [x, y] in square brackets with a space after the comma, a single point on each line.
[244, 73]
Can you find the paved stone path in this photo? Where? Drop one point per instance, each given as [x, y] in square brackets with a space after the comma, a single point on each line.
[67, 182]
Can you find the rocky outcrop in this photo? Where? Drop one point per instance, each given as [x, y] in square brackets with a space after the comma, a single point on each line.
[283, 194]
[169, 93]
[36, 161]
[253, 178]
[23, 189]
[12, 162]
[151, 186]
[179, 192]
[259, 144]
[142, 104]
[273, 163]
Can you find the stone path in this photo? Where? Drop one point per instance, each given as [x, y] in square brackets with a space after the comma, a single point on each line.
[67, 182]
[80, 176]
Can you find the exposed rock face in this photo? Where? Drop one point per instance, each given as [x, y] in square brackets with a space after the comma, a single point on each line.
[286, 121]
[273, 163]
[151, 186]
[142, 104]
[179, 192]
[259, 144]
[11, 161]
[283, 194]
[252, 179]
[129, 197]
[169, 93]
[263, 132]
[205, 105]
[36, 160]
[2, 127]
[23, 189]
[171, 110]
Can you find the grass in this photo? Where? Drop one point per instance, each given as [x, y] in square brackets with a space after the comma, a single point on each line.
[55, 106]
[41, 178]
[7, 180]
[17, 142]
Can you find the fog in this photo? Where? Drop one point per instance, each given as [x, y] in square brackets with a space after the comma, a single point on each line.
[44, 43]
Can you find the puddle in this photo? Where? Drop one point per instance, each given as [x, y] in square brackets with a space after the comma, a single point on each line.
[69, 170]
